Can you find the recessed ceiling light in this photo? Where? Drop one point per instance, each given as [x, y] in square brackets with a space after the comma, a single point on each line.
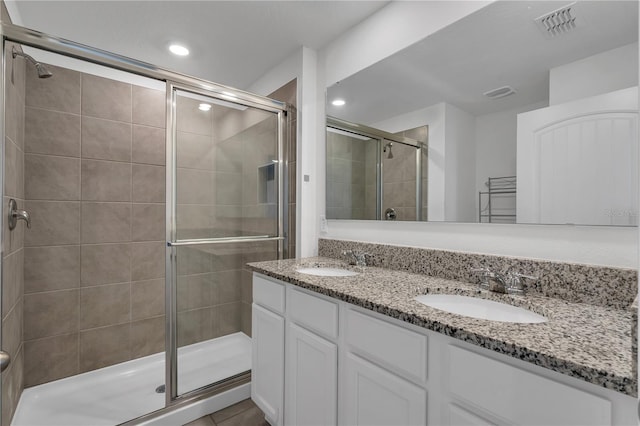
[338, 102]
[204, 107]
[179, 50]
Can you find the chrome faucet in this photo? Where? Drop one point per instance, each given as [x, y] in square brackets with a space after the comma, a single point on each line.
[355, 257]
[15, 214]
[509, 282]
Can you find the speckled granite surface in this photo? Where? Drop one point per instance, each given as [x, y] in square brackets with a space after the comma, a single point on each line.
[596, 285]
[589, 342]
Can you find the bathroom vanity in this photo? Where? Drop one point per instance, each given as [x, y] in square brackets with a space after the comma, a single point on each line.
[359, 350]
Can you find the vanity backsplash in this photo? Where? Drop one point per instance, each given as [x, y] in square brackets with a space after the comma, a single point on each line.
[596, 285]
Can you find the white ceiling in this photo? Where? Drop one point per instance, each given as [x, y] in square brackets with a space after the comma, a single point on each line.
[498, 45]
[231, 42]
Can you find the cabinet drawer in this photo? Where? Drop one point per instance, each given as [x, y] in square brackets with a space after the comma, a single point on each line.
[313, 312]
[519, 396]
[268, 293]
[391, 346]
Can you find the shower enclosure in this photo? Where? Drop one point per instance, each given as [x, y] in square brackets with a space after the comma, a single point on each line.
[146, 193]
[375, 175]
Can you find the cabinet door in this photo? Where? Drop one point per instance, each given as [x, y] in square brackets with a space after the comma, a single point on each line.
[375, 397]
[267, 373]
[311, 376]
[461, 417]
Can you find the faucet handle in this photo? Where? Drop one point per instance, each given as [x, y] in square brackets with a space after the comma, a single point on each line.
[350, 256]
[361, 258]
[356, 257]
[485, 274]
[15, 214]
[514, 282]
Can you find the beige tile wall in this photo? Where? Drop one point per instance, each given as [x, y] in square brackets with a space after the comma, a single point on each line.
[399, 182]
[399, 177]
[347, 163]
[421, 134]
[13, 255]
[94, 257]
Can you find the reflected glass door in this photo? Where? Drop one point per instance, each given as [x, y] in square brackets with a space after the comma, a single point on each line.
[227, 212]
[352, 170]
[401, 181]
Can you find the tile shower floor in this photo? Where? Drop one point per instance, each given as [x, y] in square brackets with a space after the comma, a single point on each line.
[244, 413]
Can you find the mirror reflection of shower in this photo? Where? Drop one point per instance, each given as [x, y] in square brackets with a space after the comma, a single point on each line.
[388, 147]
[363, 183]
[42, 70]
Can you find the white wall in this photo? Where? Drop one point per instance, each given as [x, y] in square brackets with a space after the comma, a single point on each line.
[388, 31]
[495, 137]
[460, 166]
[584, 78]
[306, 65]
[291, 68]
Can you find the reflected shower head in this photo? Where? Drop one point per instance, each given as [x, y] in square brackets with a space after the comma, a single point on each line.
[42, 70]
[388, 145]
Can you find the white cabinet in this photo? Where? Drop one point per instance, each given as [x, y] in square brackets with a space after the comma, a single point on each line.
[319, 361]
[518, 396]
[374, 396]
[295, 372]
[267, 372]
[311, 379]
[401, 351]
[459, 416]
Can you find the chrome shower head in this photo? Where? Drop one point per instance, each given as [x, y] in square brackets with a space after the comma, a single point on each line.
[390, 154]
[42, 70]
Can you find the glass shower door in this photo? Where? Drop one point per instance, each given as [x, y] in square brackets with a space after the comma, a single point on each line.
[227, 210]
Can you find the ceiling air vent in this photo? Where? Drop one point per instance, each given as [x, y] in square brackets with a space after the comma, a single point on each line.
[500, 92]
[560, 21]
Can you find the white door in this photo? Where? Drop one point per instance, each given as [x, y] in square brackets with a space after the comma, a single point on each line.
[267, 372]
[311, 377]
[375, 397]
[577, 162]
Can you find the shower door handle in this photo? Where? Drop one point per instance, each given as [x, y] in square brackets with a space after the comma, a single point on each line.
[5, 360]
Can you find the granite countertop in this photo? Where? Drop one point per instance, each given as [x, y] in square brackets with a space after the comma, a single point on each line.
[589, 342]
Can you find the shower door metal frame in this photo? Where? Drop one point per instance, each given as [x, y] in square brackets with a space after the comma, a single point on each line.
[380, 136]
[171, 275]
[61, 46]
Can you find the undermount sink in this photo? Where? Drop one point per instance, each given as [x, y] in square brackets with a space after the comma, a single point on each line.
[480, 308]
[327, 272]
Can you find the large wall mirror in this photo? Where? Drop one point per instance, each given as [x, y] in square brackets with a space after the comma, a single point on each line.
[522, 112]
